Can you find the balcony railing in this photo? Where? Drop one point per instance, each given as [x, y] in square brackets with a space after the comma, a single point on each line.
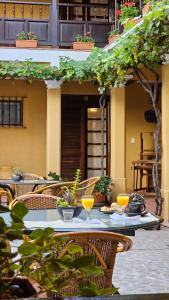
[57, 23]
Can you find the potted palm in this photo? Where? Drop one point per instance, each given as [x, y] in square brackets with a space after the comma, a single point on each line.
[83, 42]
[26, 40]
[113, 35]
[42, 260]
[70, 198]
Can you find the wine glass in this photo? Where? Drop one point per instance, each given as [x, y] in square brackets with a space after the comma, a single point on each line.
[122, 200]
[87, 202]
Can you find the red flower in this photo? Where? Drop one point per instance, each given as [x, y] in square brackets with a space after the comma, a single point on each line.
[125, 4]
[118, 12]
[131, 4]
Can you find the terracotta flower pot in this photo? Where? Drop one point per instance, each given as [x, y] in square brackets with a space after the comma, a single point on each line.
[83, 45]
[99, 198]
[26, 43]
[145, 8]
[112, 38]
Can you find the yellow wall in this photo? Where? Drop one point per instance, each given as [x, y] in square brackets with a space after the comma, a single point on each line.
[137, 101]
[25, 147]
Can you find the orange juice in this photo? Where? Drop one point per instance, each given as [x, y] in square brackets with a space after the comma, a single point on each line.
[122, 200]
[87, 203]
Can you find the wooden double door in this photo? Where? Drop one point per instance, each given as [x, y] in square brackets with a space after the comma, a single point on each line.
[81, 142]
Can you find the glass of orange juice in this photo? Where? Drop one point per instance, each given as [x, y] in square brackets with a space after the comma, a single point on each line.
[87, 202]
[123, 200]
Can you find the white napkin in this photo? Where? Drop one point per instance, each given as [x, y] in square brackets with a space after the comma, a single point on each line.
[123, 217]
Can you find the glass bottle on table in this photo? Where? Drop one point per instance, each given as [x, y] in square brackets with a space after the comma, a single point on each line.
[87, 203]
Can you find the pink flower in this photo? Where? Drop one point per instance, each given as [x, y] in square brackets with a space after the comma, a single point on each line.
[125, 4]
[118, 12]
[131, 4]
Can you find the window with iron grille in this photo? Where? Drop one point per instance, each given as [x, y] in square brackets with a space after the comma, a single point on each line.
[11, 111]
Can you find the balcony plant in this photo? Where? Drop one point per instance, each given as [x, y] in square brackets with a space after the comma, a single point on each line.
[128, 12]
[103, 189]
[42, 260]
[26, 40]
[70, 198]
[83, 42]
[113, 35]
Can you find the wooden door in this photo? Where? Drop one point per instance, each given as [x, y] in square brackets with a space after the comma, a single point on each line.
[80, 136]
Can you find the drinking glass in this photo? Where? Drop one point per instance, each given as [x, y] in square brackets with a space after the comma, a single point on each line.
[122, 200]
[87, 202]
[68, 215]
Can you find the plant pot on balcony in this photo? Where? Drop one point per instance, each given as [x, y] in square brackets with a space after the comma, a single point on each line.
[112, 38]
[145, 8]
[131, 23]
[26, 43]
[83, 45]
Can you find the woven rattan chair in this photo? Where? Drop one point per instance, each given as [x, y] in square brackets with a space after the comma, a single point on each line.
[23, 189]
[5, 196]
[104, 246]
[52, 189]
[86, 187]
[36, 201]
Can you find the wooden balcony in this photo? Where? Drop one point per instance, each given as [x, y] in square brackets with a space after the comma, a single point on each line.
[56, 23]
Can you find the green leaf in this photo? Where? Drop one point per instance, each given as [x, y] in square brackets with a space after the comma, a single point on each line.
[28, 248]
[19, 210]
[83, 261]
[73, 249]
[92, 270]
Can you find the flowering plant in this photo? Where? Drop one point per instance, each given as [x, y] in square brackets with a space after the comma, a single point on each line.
[127, 10]
[84, 38]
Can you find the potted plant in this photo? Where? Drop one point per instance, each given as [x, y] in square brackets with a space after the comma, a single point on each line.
[128, 12]
[83, 42]
[70, 197]
[146, 7]
[103, 189]
[17, 174]
[42, 260]
[26, 40]
[113, 35]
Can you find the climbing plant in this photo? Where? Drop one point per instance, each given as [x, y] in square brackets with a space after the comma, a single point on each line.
[144, 47]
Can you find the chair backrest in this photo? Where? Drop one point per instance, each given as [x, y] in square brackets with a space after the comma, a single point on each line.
[104, 246]
[23, 189]
[52, 189]
[5, 196]
[87, 186]
[36, 201]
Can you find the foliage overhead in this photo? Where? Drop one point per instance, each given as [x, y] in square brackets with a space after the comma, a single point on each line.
[144, 45]
[28, 70]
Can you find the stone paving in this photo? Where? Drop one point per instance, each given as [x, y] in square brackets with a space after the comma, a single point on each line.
[145, 268]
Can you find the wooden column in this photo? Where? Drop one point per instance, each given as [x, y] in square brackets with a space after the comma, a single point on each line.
[165, 140]
[53, 127]
[117, 131]
[54, 23]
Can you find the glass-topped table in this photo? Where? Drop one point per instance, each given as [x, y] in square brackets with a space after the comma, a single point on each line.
[42, 218]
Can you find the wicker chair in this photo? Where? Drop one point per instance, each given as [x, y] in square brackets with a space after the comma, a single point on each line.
[36, 201]
[104, 246]
[23, 189]
[5, 196]
[86, 187]
[52, 189]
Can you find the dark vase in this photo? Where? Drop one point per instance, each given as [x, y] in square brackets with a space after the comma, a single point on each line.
[16, 177]
[77, 210]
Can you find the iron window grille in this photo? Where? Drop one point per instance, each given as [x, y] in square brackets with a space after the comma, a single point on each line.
[11, 111]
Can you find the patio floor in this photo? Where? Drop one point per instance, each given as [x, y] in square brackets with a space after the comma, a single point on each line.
[144, 269]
